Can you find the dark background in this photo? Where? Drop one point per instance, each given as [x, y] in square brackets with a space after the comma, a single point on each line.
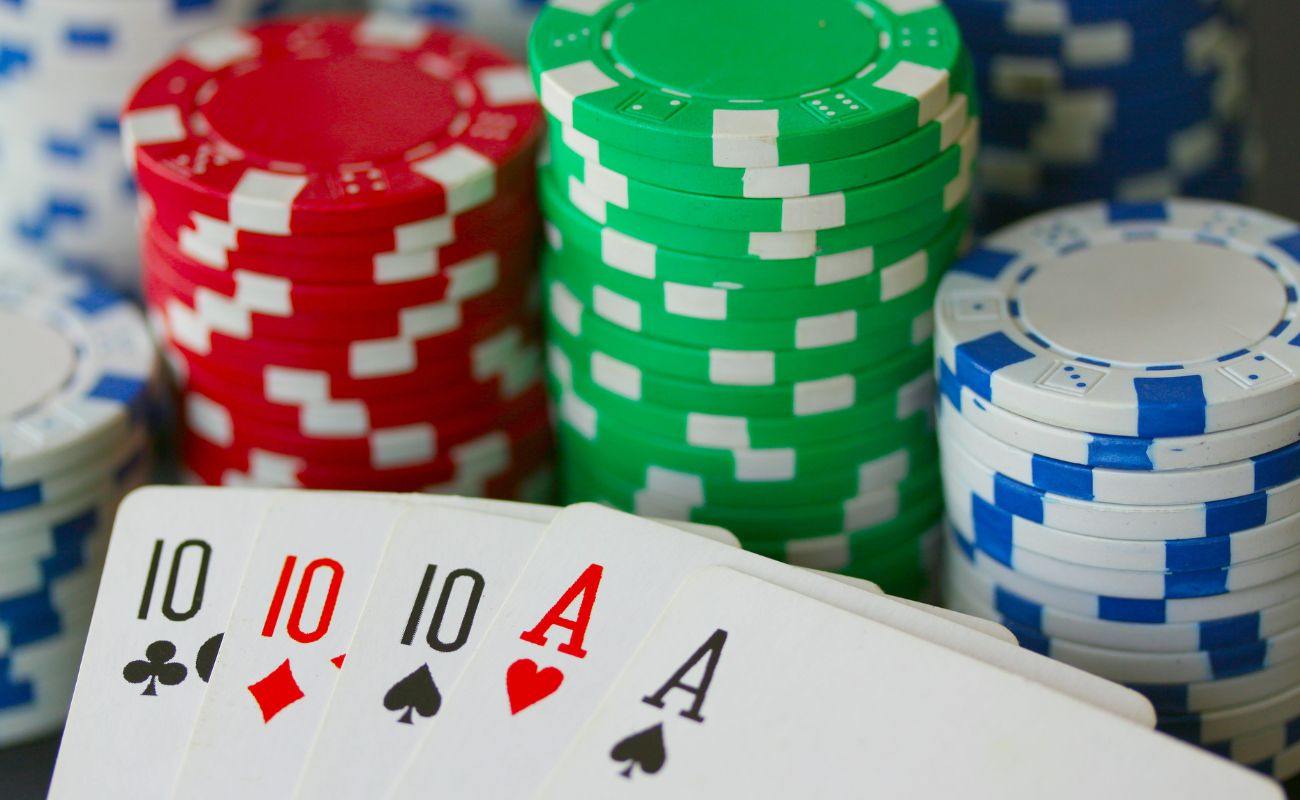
[24, 770]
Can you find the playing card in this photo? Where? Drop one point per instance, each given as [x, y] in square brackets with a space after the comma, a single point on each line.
[168, 588]
[744, 686]
[588, 596]
[307, 579]
[442, 580]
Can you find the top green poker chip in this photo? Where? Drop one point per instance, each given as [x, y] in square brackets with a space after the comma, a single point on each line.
[727, 84]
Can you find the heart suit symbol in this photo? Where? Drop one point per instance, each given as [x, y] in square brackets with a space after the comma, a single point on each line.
[526, 684]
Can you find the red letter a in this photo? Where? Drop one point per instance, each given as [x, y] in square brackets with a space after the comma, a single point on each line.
[586, 585]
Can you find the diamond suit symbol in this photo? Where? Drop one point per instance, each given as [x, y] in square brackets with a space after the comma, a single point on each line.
[277, 691]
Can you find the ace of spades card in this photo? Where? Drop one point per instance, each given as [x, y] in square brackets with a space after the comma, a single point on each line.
[307, 580]
[169, 585]
[746, 689]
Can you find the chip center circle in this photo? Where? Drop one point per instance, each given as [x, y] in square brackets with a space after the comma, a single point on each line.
[1145, 303]
[736, 49]
[345, 109]
[41, 361]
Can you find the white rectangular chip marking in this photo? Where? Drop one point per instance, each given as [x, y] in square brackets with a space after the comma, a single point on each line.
[403, 446]
[714, 430]
[566, 309]
[381, 357]
[605, 182]
[580, 143]
[760, 466]
[793, 180]
[677, 484]
[622, 311]
[335, 417]
[827, 394]
[390, 30]
[742, 367]
[579, 414]
[160, 125]
[262, 201]
[1107, 44]
[815, 212]
[467, 177]
[746, 138]
[929, 86]
[425, 234]
[701, 302]
[826, 330]
[621, 251]
[267, 294]
[871, 508]
[616, 376]
[845, 266]
[295, 386]
[209, 420]
[221, 48]
[561, 85]
[505, 86]
[401, 267]
[904, 276]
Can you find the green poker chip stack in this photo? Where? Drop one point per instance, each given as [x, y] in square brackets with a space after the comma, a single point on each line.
[748, 211]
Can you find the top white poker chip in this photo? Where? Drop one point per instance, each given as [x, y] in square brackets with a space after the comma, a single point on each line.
[77, 362]
[1133, 319]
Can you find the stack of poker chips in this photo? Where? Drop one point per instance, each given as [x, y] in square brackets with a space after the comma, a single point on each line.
[744, 235]
[66, 66]
[339, 256]
[1105, 99]
[505, 23]
[78, 371]
[1119, 419]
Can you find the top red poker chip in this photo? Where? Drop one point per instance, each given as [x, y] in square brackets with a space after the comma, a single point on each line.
[329, 125]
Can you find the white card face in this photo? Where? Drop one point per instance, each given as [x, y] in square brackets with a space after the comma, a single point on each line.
[307, 581]
[169, 585]
[744, 687]
[591, 592]
[442, 580]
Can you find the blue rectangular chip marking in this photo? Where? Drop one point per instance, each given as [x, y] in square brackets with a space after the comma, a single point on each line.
[1170, 406]
[992, 532]
[1125, 609]
[1223, 517]
[1229, 632]
[1241, 660]
[977, 360]
[1137, 212]
[1182, 555]
[1059, 477]
[1120, 452]
[984, 262]
[1019, 499]
[1014, 607]
[1204, 583]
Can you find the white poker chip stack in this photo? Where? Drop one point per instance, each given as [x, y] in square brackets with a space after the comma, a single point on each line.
[66, 67]
[1120, 427]
[79, 374]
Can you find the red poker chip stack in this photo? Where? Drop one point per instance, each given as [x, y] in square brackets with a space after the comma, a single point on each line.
[338, 229]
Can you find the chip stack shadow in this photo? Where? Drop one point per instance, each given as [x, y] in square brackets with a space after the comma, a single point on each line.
[339, 242]
[747, 215]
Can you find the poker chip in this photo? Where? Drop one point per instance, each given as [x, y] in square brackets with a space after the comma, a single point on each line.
[1091, 101]
[1118, 462]
[65, 69]
[742, 251]
[338, 241]
[80, 382]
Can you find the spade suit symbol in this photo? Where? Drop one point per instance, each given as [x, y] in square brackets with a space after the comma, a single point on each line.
[416, 693]
[644, 749]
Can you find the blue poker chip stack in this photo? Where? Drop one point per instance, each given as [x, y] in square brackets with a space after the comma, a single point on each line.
[66, 67]
[1098, 99]
[505, 23]
[79, 374]
[1120, 433]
